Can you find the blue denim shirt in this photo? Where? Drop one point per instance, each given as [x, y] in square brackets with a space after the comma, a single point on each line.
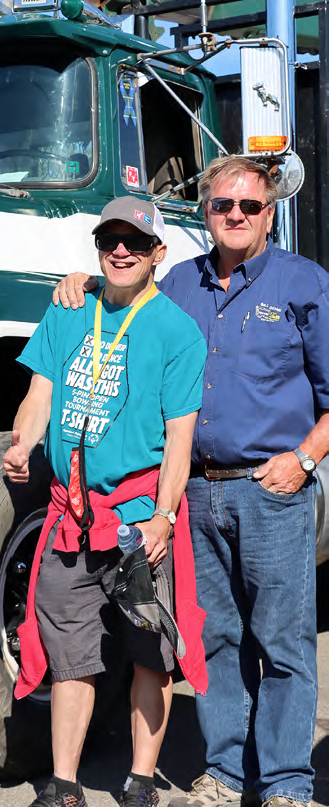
[267, 369]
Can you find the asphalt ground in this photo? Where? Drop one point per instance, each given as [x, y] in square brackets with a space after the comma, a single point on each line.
[107, 754]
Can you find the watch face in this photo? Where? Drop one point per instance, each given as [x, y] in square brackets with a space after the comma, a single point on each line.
[308, 464]
[172, 518]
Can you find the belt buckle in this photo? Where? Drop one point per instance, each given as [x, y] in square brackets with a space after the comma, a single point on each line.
[212, 473]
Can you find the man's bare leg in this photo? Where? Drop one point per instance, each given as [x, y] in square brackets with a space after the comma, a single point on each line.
[151, 696]
[72, 704]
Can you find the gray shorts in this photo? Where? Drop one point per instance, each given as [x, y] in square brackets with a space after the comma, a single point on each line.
[82, 627]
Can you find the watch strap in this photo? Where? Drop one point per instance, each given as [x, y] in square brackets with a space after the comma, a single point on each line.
[301, 456]
[166, 513]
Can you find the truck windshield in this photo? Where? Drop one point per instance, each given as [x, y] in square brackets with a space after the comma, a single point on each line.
[46, 123]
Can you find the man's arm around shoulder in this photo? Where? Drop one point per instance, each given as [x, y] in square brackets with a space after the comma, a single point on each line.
[72, 289]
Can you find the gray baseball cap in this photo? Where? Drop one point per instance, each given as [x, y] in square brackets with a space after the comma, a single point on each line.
[139, 212]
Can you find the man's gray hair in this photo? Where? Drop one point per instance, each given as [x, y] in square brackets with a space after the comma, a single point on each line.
[231, 168]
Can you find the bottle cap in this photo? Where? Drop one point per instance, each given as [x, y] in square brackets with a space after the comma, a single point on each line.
[123, 530]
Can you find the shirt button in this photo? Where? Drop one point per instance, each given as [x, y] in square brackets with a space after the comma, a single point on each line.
[208, 386]
[204, 422]
[208, 457]
[214, 350]
[220, 316]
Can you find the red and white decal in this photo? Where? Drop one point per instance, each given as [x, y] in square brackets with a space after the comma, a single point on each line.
[132, 176]
[139, 215]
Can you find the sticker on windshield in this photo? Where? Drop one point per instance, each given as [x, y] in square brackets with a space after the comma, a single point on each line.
[72, 167]
[132, 176]
[128, 94]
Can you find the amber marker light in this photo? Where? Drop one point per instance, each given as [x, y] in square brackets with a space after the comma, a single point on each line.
[267, 143]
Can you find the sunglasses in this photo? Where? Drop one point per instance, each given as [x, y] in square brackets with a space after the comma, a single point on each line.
[249, 207]
[132, 242]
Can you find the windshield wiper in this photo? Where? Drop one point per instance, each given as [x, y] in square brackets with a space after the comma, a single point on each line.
[9, 190]
[187, 182]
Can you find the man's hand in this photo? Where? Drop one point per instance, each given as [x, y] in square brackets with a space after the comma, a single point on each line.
[71, 290]
[157, 532]
[16, 460]
[282, 473]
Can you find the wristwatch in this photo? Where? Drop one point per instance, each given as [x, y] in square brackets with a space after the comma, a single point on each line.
[166, 513]
[308, 464]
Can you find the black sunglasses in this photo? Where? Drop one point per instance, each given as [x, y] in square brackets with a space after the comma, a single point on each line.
[133, 242]
[249, 207]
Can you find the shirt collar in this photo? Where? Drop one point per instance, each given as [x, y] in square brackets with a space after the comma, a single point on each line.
[251, 269]
[211, 265]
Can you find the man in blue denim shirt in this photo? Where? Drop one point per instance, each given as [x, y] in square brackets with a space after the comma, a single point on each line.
[262, 429]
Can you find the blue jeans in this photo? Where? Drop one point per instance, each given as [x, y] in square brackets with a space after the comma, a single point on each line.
[255, 570]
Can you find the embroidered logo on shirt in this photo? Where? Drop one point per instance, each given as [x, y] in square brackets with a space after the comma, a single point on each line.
[268, 313]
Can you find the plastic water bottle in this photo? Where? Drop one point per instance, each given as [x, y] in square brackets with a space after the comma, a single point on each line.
[130, 538]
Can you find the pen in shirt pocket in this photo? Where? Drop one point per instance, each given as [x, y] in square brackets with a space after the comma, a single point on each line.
[245, 319]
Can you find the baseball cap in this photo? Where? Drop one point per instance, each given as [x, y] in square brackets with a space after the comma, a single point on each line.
[139, 212]
[146, 601]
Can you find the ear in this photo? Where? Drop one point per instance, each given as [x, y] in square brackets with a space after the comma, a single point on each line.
[161, 252]
[269, 221]
[205, 214]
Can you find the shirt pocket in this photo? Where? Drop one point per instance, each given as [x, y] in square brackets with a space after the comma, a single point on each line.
[263, 345]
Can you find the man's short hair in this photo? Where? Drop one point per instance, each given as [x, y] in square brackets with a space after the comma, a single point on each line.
[231, 168]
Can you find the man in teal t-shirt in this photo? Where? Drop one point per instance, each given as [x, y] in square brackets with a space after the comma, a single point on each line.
[126, 391]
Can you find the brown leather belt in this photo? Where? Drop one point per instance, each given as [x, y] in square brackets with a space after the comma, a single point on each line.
[215, 472]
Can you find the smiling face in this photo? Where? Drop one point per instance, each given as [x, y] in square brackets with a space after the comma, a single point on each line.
[239, 237]
[128, 275]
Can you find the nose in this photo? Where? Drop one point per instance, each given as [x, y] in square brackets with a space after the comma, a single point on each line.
[120, 250]
[235, 214]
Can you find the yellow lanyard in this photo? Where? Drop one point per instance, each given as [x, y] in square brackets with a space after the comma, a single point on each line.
[97, 370]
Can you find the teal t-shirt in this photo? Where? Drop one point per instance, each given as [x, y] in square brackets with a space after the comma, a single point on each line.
[154, 374]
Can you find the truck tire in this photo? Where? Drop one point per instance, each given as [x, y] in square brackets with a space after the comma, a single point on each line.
[25, 744]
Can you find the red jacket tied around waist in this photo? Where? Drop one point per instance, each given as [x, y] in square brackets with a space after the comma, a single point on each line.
[103, 535]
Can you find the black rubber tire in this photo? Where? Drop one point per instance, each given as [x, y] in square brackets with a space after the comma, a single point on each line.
[25, 745]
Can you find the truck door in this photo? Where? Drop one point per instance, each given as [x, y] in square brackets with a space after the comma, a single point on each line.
[159, 145]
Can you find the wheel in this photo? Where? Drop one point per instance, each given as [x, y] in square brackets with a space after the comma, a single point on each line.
[25, 747]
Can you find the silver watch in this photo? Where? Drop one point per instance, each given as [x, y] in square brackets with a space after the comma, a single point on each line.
[308, 464]
[166, 513]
